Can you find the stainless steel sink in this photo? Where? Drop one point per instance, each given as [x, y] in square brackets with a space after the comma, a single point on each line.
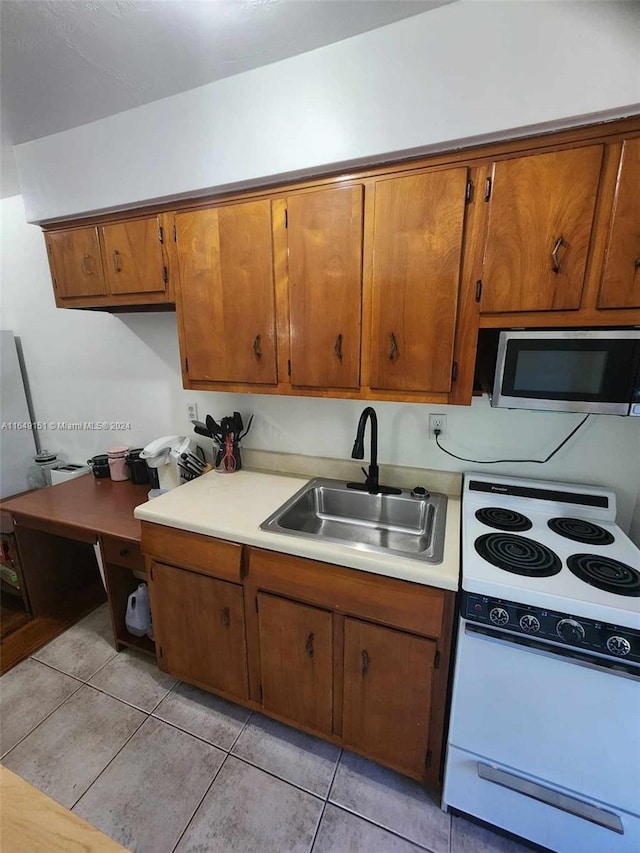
[401, 524]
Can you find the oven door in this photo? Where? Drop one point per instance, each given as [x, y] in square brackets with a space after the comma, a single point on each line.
[572, 371]
[544, 745]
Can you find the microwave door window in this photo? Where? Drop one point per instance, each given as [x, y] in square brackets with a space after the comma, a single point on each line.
[554, 372]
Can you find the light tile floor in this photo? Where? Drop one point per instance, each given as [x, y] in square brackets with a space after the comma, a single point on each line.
[161, 766]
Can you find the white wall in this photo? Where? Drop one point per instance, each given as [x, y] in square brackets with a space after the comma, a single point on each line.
[463, 70]
[90, 366]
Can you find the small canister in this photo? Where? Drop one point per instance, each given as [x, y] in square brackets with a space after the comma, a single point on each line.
[100, 465]
[117, 456]
[138, 471]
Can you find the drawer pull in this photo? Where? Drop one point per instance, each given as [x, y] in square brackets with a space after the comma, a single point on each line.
[124, 552]
[309, 645]
[551, 797]
[364, 657]
[226, 618]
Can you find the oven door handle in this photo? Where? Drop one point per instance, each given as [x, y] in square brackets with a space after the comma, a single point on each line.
[571, 656]
[551, 797]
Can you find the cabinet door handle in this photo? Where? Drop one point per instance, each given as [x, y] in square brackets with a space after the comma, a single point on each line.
[256, 347]
[393, 350]
[364, 657]
[556, 262]
[338, 347]
[637, 263]
[116, 261]
[309, 645]
[226, 618]
[85, 264]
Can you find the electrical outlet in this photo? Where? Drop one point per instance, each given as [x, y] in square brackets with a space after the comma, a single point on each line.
[437, 422]
[192, 411]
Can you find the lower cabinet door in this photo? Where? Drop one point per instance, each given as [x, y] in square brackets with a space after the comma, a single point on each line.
[296, 653]
[199, 628]
[387, 695]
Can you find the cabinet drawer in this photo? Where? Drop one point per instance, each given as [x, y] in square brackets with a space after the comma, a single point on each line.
[122, 552]
[192, 551]
[394, 602]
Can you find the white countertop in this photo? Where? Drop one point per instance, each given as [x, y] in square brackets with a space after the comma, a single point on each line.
[233, 506]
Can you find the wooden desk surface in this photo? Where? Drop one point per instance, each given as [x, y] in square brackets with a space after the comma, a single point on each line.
[87, 503]
[34, 823]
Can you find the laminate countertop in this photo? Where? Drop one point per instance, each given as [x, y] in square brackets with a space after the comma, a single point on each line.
[232, 507]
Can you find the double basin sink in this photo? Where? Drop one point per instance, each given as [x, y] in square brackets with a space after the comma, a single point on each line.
[408, 524]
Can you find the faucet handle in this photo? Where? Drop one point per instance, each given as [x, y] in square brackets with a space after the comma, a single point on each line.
[365, 472]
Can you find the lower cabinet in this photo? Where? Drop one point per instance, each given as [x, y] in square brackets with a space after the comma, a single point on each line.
[387, 694]
[296, 661]
[359, 659]
[199, 628]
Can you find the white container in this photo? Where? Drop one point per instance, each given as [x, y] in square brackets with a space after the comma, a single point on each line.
[138, 617]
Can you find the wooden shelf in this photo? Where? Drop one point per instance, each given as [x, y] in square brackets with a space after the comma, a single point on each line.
[143, 644]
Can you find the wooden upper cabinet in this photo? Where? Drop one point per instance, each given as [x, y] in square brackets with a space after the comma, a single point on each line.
[226, 295]
[133, 259]
[387, 679]
[620, 287]
[75, 261]
[417, 245]
[325, 286]
[296, 659]
[199, 628]
[541, 210]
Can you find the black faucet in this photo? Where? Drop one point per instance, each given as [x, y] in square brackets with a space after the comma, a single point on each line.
[371, 483]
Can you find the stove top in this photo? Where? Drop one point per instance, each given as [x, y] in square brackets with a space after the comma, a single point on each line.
[549, 545]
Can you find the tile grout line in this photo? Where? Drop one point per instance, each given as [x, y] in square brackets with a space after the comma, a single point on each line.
[326, 801]
[195, 811]
[44, 719]
[111, 760]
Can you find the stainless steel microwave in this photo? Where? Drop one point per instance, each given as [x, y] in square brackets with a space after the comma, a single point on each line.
[569, 371]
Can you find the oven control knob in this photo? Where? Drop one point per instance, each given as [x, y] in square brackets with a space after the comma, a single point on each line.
[570, 630]
[619, 646]
[498, 616]
[530, 623]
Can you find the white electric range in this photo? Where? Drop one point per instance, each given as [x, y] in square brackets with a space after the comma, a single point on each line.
[544, 737]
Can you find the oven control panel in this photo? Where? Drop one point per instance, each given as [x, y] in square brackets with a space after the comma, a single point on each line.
[585, 634]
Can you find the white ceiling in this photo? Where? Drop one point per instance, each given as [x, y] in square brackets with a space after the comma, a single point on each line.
[68, 62]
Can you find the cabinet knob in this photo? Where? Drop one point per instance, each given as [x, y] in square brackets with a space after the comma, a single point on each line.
[364, 657]
[309, 645]
[124, 552]
[637, 263]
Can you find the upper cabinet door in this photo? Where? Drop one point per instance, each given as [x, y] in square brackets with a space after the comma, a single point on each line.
[76, 266]
[540, 217]
[620, 286]
[226, 298]
[133, 258]
[417, 244]
[325, 286]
